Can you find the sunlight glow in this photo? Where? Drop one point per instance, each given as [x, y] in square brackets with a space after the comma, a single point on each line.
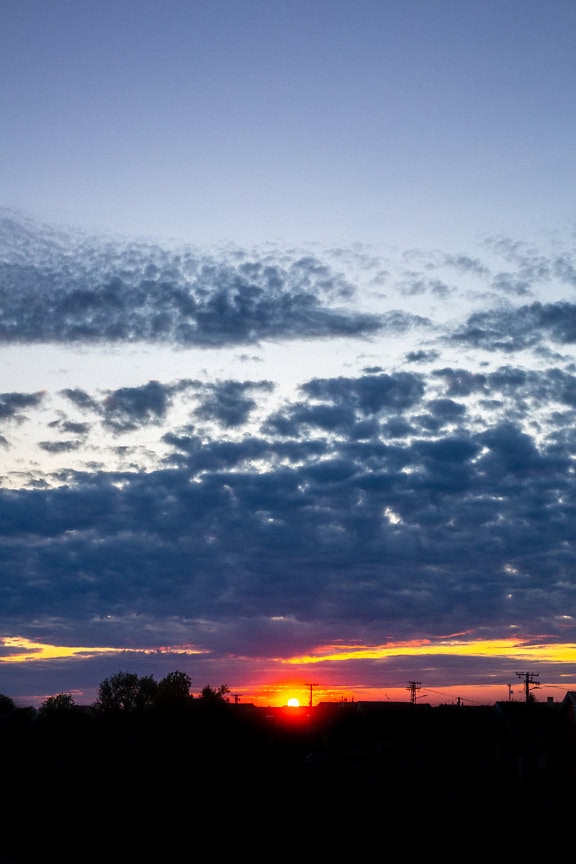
[392, 517]
[14, 649]
[30, 651]
[517, 647]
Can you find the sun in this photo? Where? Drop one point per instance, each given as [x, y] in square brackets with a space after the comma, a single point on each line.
[293, 702]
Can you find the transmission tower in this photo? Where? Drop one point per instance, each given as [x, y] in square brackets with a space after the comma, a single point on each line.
[529, 684]
[413, 687]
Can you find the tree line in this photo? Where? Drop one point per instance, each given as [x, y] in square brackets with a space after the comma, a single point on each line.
[127, 691]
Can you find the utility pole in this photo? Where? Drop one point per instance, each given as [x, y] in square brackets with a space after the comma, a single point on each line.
[237, 697]
[315, 684]
[529, 683]
[413, 687]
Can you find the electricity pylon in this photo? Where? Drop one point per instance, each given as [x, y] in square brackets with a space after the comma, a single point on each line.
[413, 687]
[529, 683]
[315, 684]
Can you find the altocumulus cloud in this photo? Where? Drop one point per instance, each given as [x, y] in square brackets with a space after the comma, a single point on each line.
[55, 289]
[413, 499]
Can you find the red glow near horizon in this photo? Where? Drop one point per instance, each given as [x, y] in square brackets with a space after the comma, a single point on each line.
[279, 679]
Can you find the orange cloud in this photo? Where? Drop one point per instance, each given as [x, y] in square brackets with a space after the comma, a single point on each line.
[25, 651]
[517, 648]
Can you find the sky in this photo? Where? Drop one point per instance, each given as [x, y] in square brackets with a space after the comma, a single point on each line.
[288, 344]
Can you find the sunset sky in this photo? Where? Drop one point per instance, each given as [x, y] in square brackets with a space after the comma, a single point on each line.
[288, 347]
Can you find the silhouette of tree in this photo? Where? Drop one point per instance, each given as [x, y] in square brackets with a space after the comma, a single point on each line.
[173, 690]
[215, 695]
[60, 704]
[6, 704]
[126, 691]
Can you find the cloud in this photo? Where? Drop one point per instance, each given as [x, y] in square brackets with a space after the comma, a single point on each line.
[369, 394]
[421, 356]
[301, 417]
[346, 405]
[511, 284]
[405, 492]
[127, 407]
[59, 446]
[61, 289]
[466, 264]
[512, 330]
[414, 286]
[80, 398]
[339, 530]
[230, 402]
[11, 404]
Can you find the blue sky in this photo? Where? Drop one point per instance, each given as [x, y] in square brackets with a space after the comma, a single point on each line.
[257, 121]
[287, 338]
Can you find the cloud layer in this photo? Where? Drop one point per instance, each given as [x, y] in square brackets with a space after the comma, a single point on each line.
[401, 501]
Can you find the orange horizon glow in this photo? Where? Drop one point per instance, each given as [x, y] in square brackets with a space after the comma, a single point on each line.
[271, 688]
[517, 647]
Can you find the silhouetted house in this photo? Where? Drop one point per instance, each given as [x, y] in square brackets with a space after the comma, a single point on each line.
[569, 707]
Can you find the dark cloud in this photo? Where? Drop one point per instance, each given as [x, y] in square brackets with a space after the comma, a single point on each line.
[69, 427]
[308, 536]
[81, 399]
[126, 408]
[59, 446]
[462, 382]
[447, 410]
[397, 427]
[75, 428]
[193, 452]
[231, 402]
[342, 405]
[398, 502]
[421, 356]
[370, 394]
[11, 404]
[56, 289]
[512, 451]
[300, 417]
[512, 330]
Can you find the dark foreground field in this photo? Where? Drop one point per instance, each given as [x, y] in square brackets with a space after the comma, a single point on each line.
[132, 790]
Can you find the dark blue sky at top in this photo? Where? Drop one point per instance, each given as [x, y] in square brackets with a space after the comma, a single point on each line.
[423, 122]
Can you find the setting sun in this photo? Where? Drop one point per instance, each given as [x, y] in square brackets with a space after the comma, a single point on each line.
[293, 702]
